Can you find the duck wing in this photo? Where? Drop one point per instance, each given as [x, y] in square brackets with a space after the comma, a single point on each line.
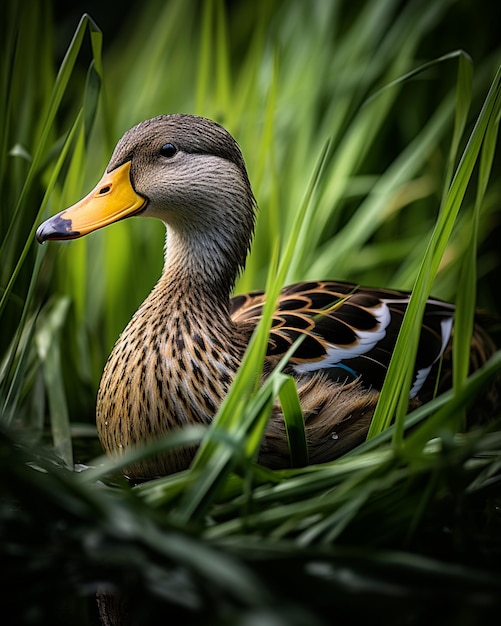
[349, 331]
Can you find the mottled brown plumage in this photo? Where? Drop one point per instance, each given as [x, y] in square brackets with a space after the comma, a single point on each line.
[176, 359]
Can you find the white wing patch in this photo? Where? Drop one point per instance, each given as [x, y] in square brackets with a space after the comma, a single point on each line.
[446, 332]
[366, 341]
[422, 374]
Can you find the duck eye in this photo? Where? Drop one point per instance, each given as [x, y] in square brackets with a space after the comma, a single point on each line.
[169, 150]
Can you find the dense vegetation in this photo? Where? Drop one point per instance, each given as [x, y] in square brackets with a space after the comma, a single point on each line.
[369, 131]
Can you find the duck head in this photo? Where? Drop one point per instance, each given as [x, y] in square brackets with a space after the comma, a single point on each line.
[185, 170]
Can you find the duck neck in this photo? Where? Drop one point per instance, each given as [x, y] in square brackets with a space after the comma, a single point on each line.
[202, 267]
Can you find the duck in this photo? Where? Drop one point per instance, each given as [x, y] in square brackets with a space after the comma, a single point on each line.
[176, 359]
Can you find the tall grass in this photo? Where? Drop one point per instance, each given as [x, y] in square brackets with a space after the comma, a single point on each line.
[373, 160]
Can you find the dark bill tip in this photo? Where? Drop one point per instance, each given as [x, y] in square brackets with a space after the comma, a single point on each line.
[55, 228]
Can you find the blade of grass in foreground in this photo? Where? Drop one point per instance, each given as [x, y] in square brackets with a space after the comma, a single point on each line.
[294, 420]
[466, 296]
[105, 466]
[321, 503]
[395, 392]
[49, 351]
[246, 408]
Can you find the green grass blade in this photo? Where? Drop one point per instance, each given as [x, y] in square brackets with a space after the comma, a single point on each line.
[102, 467]
[233, 413]
[49, 351]
[294, 420]
[397, 384]
[60, 87]
[466, 298]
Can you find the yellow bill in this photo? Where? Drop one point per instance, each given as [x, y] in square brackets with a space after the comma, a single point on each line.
[112, 199]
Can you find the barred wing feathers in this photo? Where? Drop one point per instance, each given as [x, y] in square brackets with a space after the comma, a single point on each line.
[349, 332]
